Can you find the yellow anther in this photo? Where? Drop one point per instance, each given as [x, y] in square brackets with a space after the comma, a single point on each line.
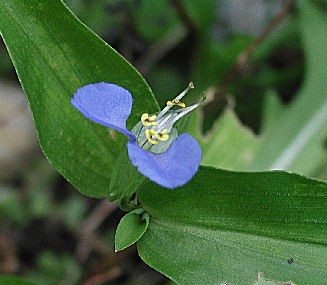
[176, 103]
[151, 136]
[162, 136]
[148, 120]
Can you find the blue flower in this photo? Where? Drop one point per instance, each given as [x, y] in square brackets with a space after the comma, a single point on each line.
[154, 146]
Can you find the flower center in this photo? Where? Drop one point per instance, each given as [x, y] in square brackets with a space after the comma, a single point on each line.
[155, 133]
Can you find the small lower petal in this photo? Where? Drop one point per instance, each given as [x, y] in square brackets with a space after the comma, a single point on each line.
[170, 169]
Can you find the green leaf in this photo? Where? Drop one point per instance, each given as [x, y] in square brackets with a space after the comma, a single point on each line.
[154, 19]
[14, 280]
[272, 109]
[212, 59]
[229, 144]
[125, 178]
[166, 82]
[202, 14]
[295, 137]
[263, 281]
[97, 15]
[228, 226]
[130, 229]
[54, 54]
[11, 206]
[53, 268]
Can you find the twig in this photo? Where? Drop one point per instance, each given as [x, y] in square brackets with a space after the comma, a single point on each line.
[169, 41]
[9, 263]
[184, 16]
[243, 59]
[104, 277]
[159, 49]
[88, 228]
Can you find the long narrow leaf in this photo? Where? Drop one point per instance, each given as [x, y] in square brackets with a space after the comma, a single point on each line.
[54, 54]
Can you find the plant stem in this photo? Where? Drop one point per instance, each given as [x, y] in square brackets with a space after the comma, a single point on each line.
[244, 57]
[184, 16]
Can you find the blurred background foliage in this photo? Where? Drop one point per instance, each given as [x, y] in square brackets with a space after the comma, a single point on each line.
[48, 231]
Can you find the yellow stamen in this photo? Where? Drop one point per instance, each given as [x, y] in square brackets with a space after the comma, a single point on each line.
[162, 136]
[176, 103]
[148, 120]
[151, 136]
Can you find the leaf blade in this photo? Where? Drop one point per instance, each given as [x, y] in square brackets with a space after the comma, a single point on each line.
[227, 226]
[55, 54]
[296, 141]
[130, 229]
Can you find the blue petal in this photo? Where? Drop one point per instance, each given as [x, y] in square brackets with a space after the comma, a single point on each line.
[106, 104]
[172, 168]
